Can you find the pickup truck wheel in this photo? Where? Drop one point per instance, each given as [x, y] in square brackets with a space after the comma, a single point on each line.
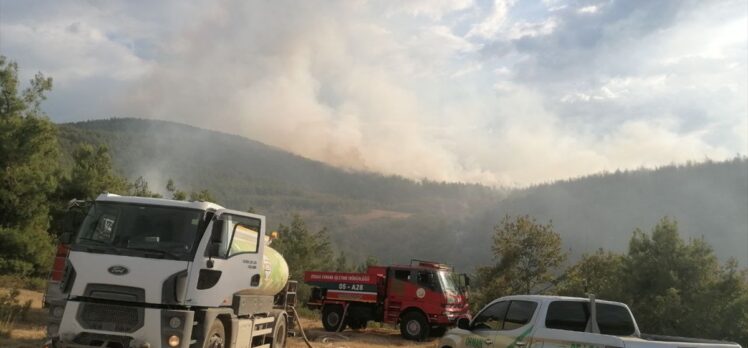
[414, 326]
[331, 317]
[216, 336]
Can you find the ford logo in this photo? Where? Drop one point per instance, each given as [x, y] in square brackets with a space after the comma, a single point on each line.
[118, 270]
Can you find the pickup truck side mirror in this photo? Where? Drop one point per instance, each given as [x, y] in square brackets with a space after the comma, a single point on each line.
[463, 323]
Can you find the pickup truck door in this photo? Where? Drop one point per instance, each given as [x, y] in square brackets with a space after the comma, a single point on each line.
[503, 324]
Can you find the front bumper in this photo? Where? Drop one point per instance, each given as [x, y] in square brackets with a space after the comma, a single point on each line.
[152, 331]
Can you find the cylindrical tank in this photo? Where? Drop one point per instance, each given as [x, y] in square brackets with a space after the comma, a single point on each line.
[273, 274]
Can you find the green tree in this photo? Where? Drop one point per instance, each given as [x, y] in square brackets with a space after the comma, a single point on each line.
[342, 264]
[202, 195]
[526, 253]
[28, 150]
[678, 287]
[304, 251]
[176, 194]
[370, 261]
[599, 273]
[29, 175]
[92, 174]
[140, 188]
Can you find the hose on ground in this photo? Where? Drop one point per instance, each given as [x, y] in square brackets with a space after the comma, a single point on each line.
[301, 328]
[341, 326]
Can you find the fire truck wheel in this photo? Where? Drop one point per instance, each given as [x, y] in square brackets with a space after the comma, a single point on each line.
[331, 316]
[216, 335]
[414, 326]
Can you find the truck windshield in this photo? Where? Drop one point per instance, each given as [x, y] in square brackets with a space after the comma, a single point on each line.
[140, 230]
[447, 281]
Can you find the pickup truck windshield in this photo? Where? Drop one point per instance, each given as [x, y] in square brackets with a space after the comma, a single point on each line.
[140, 230]
[573, 315]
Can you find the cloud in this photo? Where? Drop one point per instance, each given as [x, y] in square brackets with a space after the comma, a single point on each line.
[503, 92]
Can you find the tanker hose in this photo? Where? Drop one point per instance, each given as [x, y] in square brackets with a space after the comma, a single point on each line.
[301, 328]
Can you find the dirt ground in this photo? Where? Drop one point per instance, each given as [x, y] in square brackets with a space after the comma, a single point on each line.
[29, 332]
[367, 338]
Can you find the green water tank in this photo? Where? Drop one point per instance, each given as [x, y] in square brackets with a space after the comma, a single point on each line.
[273, 274]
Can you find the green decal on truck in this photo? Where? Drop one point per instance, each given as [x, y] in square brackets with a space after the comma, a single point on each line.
[520, 337]
[474, 341]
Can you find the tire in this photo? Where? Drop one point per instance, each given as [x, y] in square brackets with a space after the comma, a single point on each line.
[216, 337]
[331, 318]
[279, 333]
[414, 326]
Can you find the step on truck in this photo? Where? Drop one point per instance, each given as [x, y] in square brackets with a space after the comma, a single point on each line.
[531, 321]
[152, 273]
[423, 298]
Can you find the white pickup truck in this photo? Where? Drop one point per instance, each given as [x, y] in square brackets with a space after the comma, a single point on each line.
[534, 321]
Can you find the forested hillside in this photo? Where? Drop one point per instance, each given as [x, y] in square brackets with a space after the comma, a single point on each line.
[395, 219]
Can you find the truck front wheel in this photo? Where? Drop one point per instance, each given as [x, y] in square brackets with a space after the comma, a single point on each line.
[414, 326]
[332, 316]
[216, 335]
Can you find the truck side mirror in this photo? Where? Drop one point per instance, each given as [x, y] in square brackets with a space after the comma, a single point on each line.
[463, 323]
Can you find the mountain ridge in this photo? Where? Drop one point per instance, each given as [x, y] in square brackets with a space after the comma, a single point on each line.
[395, 218]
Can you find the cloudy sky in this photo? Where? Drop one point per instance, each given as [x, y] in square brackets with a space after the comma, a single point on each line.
[504, 92]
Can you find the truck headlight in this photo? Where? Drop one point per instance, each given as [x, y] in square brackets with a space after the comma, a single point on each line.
[173, 341]
[175, 323]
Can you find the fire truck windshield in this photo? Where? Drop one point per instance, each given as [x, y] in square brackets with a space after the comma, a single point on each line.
[446, 279]
[140, 230]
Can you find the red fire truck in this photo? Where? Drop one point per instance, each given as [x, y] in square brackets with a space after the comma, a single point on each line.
[419, 297]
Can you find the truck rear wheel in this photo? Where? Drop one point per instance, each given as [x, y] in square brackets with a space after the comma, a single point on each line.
[414, 326]
[332, 315]
[216, 336]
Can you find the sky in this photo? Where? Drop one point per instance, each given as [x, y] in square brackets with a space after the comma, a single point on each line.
[500, 92]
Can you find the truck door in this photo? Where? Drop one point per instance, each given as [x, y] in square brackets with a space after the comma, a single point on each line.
[232, 264]
[504, 324]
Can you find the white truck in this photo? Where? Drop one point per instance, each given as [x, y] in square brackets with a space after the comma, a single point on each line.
[152, 273]
[535, 321]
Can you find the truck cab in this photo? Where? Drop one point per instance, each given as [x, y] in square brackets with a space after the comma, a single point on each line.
[147, 272]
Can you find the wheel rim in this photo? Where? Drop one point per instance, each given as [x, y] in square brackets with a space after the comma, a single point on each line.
[216, 341]
[413, 327]
[333, 319]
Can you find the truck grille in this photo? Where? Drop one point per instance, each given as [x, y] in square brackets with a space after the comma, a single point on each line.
[110, 317]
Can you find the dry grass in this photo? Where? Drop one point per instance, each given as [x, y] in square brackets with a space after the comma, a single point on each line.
[30, 333]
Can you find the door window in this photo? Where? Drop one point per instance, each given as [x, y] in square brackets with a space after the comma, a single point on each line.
[519, 314]
[567, 315]
[241, 235]
[491, 318]
[573, 316]
[427, 279]
[402, 275]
